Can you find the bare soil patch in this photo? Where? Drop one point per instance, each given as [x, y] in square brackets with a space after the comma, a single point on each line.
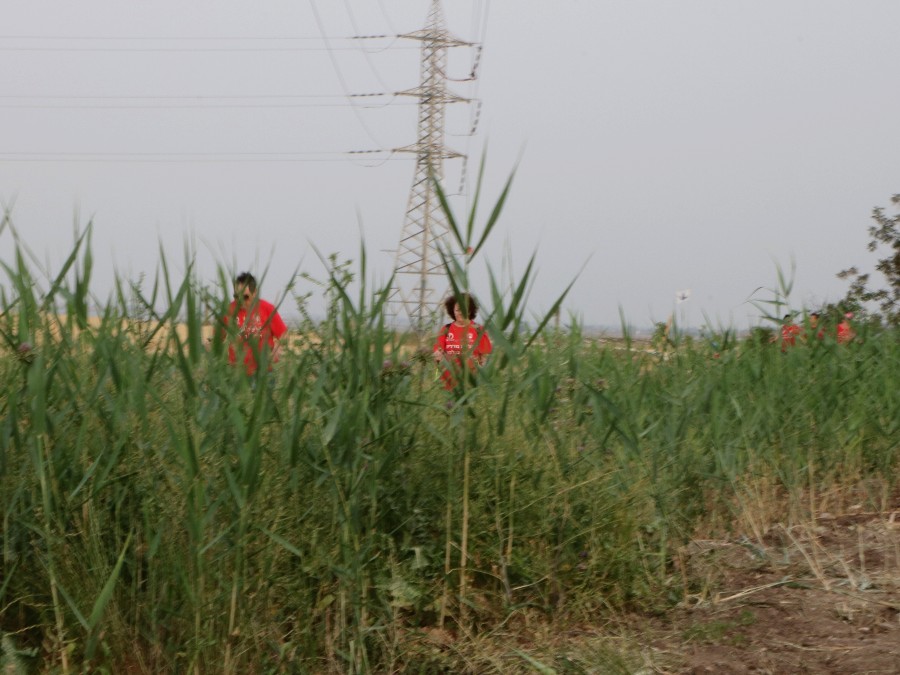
[822, 598]
[818, 598]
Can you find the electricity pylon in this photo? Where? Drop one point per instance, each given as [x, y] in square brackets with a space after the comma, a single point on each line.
[418, 262]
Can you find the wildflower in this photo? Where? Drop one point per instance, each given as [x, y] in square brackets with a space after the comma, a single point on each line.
[25, 353]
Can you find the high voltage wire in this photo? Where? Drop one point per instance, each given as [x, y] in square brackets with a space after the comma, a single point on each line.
[201, 160]
[179, 102]
[386, 17]
[174, 96]
[107, 38]
[215, 102]
[188, 106]
[328, 49]
[298, 154]
[192, 157]
[182, 38]
[192, 154]
[365, 53]
[340, 75]
[480, 12]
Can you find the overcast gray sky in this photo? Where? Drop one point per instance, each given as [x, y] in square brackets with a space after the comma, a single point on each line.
[663, 146]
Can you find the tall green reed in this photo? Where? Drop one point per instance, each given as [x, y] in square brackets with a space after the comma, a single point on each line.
[506, 328]
[162, 513]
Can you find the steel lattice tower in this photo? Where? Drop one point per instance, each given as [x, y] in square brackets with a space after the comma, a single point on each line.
[418, 262]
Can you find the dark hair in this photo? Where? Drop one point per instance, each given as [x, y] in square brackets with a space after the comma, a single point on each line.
[246, 279]
[468, 302]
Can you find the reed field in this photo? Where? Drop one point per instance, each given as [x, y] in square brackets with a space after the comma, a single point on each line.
[162, 513]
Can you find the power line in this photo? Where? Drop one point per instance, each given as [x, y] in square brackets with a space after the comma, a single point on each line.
[173, 96]
[340, 75]
[200, 160]
[181, 44]
[156, 153]
[480, 36]
[188, 157]
[328, 49]
[172, 38]
[365, 53]
[186, 106]
[386, 17]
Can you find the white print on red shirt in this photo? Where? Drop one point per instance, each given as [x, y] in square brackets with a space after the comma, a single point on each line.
[252, 327]
[454, 341]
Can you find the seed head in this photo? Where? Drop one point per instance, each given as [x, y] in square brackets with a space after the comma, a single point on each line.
[25, 352]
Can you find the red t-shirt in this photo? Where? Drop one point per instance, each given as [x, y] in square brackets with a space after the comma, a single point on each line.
[789, 335]
[453, 340]
[258, 331]
[845, 333]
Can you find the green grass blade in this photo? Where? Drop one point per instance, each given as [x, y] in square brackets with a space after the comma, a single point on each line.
[103, 600]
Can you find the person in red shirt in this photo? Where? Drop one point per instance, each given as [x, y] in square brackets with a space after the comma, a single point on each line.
[814, 325]
[259, 326]
[789, 332]
[845, 332]
[462, 341]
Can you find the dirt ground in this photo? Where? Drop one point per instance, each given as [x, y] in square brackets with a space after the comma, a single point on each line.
[818, 599]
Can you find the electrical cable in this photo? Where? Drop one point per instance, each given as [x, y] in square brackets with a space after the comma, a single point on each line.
[359, 37]
[480, 36]
[188, 106]
[186, 157]
[162, 38]
[340, 75]
[368, 57]
[328, 49]
[387, 18]
[141, 97]
[177, 102]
